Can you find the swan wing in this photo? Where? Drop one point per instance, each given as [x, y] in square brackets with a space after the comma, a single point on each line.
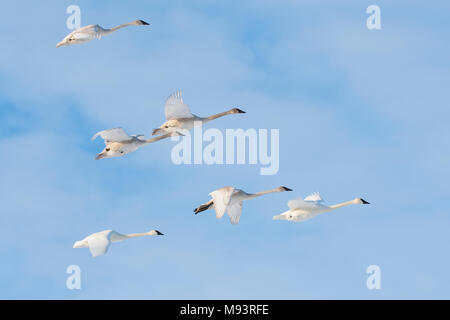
[113, 135]
[301, 204]
[234, 212]
[139, 136]
[315, 197]
[221, 200]
[175, 108]
[98, 245]
[115, 236]
[88, 30]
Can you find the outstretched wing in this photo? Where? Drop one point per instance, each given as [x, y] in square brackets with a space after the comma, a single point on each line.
[139, 136]
[175, 108]
[315, 197]
[113, 135]
[301, 204]
[221, 200]
[98, 246]
[234, 212]
[92, 28]
[86, 33]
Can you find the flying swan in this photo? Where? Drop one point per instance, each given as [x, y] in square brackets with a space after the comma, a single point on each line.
[98, 243]
[94, 31]
[179, 116]
[119, 143]
[230, 200]
[311, 206]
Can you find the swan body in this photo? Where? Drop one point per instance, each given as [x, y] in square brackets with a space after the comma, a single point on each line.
[119, 143]
[179, 117]
[311, 206]
[98, 243]
[93, 31]
[230, 199]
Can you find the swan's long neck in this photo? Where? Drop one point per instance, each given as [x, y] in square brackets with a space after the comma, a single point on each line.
[116, 236]
[261, 193]
[164, 136]
[134, 235]
[108, 31]
[339, 205]
[215, 116]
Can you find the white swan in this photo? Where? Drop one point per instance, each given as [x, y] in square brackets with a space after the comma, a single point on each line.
[179, 116]
[119, 143]
[94, 31]
[98, 243]
[311, 206]
[229, 199]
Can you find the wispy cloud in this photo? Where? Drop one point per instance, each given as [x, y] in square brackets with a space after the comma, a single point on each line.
[360, 113]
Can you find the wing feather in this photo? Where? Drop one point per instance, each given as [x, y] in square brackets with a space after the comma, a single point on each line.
[98, 246]
[234, 212]
[314, 197]
[139, 136]
[175, 108]
[92, 28]
[113, 135]
[221, 200]
[301, 204]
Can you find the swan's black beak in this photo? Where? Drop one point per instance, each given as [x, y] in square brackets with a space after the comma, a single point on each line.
[203, 207]
[142, 22]
[286, 189]
[197, 210]
[239, 110]
[159, 233]
[364, 201]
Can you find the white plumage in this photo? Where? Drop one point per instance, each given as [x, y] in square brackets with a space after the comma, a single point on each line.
[93, 31]
[179, 116]
[175, 107]
[99, 242]
[113, 135]
[230, 200]
[311, 206]
[118, 142]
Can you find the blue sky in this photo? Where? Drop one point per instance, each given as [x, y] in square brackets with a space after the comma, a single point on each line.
[361, 114]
